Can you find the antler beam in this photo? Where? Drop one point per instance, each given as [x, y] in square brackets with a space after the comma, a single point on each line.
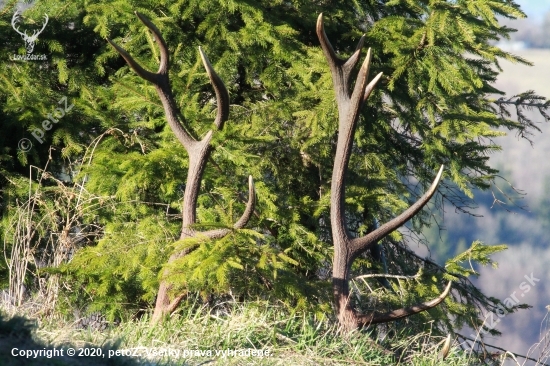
[198, 151]
[376, 318]
[347, 248]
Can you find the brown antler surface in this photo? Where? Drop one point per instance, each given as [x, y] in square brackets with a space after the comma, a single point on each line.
[198, 151]
[347, 248]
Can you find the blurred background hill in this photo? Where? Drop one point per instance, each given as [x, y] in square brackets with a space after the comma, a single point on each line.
[534, 31]
[516, 211]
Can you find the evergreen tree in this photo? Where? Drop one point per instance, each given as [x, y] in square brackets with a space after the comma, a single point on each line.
[435, 105]
[45, 127]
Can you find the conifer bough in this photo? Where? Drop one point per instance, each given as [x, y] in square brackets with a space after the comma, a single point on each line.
[198, 151]
[346, 247]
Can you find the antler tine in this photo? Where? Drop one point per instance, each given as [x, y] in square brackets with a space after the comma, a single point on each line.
[222, 96]
[352, 60]
[370, 87]
[445, 349]
[247, 214]
[358, 245]
[249, 210]
[161, 82]
[164, 58]
[341, 69]
[333, 60]
[375, 318]
[357, 96]
[145, 74]
[164, 55]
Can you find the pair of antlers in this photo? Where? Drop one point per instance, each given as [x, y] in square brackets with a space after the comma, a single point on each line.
[346, 247]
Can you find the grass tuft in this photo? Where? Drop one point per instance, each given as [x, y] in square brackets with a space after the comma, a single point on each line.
[287, 338]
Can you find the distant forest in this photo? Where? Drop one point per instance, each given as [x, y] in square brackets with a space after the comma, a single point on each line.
[533, 34]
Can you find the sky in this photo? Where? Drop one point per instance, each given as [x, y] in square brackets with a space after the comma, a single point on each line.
[535, 9]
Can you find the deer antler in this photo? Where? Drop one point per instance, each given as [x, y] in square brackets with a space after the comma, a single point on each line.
[162, 83]
[346, 247]
[376, 318]
[198, 151]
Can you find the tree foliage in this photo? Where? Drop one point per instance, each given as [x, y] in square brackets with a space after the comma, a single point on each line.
[435, 105]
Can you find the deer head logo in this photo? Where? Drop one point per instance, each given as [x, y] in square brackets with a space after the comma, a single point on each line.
[29, 40]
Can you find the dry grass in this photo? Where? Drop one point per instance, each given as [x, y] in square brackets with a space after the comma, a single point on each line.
[291, 339]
